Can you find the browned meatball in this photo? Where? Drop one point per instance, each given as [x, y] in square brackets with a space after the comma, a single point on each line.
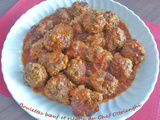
[90, 68]
[93, 21]
[134, 51]
[99, 57]
[59, 38]
[76, 70]
[38, 31]
[54, 62]
[112, 19]
[121, 67]
[61, 15]
[82, 37]
[96, 39]
[58, 88]
[76, 49]
[38, 49]
[103, 82]
[79, 8]
[84, 101]
[76, 24]
[35, 75]
[115, 39]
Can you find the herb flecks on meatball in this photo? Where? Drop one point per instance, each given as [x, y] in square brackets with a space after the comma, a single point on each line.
[99, 57]
[35, 75]
[96, 39]
[121, 67]
[115, 39]
[59, 38]
[93, 21]
[38, 49]
[134, 51]
[77, 26]
[58, 88]
[54, 62]
[76, 70]
[61, 15]
[37, 32]
[76, 49]
[84, 101]
[103, 82]
[112, 19]
[78, 8]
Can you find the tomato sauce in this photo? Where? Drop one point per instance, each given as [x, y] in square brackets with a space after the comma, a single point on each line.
[125, 29]
[123, 86]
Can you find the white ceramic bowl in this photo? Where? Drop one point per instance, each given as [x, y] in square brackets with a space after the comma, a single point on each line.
[136, 95]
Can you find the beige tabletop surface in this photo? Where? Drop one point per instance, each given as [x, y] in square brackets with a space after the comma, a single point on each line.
[146, 9]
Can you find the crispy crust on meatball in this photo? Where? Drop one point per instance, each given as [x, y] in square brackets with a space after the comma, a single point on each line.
[38, 49]
[76, 49]
[37, 32]
[35, 75]
[61, 15]
[54, 62]
[93, 21]
[76, 70]
[103, 82]
[112, 19]
[115, 39]
[58, 88]
[77, 26]
[79, 7]
[121, 67]
[134, 51]
[59, 38]
[99, 57]
[96, 39]
[84, 101]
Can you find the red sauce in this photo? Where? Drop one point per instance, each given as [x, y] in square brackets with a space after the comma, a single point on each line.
[125, 29]
[26, 53]
[123, 86]
[39, 90]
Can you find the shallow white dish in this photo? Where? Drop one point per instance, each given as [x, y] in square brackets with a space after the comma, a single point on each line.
[136, 95]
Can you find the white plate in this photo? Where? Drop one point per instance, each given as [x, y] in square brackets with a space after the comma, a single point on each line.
[136, 95]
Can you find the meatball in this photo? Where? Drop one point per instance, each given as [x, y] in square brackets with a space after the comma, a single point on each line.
[78, 8]
[134, 51]
[82, 37]
[84, 101]
[112, 19]
[38, 31]
[93, 21]
[77, 26]
[90, 68]
[59, 38]
[115, 39]
[96, 39]
[76, 49]
[38, 49]
[99, 57]
[121, 67]
[76, 70]
[35, 75]
[103, 82]
[58, 88]
[61, 15]
[54, 62]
